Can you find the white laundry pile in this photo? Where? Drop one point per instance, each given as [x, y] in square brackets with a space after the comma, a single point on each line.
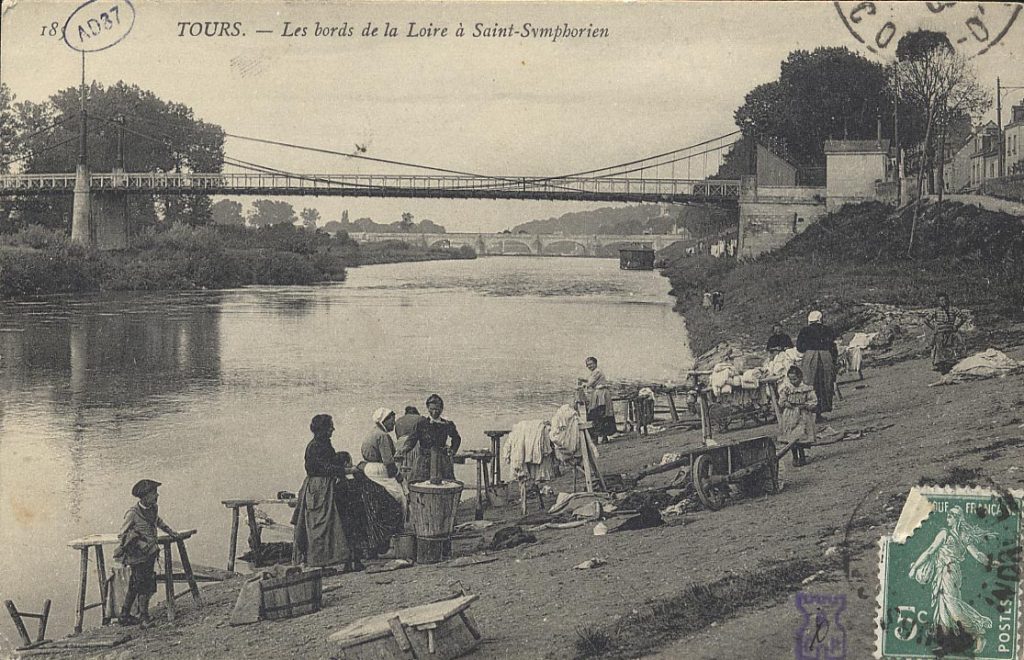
[862, 340]
[987, 364]
[780, 364]
[528, 450]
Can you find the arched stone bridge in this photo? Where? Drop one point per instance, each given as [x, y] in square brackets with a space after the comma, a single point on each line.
[600, 245]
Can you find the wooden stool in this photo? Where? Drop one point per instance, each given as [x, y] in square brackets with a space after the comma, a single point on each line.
[483, 480]
[255, 539]
[495, 437]
[16, 616]
[97, 541]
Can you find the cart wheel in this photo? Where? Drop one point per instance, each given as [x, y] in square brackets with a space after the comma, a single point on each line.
[711, 496]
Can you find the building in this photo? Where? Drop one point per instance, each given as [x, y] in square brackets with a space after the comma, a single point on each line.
[1013, 135]
[956, 174]
[854, 168]
[985, 159]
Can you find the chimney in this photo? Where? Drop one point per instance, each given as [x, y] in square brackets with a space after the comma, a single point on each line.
[1018, 113]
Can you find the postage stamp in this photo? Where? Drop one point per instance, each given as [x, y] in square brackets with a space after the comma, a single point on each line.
[950, 576]
[821, 635]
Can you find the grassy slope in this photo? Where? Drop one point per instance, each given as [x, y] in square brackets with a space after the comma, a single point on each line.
[853, 256]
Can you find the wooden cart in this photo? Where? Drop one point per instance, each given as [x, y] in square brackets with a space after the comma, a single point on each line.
[751, 464]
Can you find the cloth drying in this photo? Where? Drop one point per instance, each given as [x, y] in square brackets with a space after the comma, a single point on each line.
[988, 364]
[528, 450]
[862, 340]
[565, 433]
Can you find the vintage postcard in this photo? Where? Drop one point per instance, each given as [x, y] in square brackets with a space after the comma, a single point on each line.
[511, 329]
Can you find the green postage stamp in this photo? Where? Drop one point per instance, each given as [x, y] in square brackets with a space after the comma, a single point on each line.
[950, 576]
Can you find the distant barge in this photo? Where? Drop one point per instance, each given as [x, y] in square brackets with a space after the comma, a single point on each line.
[638, 257]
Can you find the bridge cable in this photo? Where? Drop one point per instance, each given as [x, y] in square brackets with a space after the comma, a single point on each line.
[57, 123]
[505, 181]
[36, 152]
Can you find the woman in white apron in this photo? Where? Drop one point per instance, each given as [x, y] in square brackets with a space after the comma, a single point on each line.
[383, 496]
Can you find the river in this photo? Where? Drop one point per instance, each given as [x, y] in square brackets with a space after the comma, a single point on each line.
[211, 393]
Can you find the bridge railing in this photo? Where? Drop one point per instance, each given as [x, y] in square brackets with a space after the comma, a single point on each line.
[378, 184]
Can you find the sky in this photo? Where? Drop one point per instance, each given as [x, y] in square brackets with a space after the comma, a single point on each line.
[667, 75]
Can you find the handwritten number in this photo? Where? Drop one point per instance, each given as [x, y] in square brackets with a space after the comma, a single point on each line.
[117, 16]
[107, 23]
[50, 30]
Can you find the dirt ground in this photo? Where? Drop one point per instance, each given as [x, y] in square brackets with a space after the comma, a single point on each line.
[533, 603]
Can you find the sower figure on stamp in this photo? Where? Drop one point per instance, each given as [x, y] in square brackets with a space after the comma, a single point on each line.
[138, 550]
[939, 566]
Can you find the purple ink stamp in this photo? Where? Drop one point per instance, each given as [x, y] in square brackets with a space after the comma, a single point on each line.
[821, 635]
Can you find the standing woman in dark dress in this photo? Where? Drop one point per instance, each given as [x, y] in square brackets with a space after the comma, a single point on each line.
[322, 536]
[817, 342]
[432, 431]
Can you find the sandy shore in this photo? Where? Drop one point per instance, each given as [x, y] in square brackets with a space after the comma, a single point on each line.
[533, 604]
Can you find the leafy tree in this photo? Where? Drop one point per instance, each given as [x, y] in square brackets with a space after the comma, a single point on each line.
[407, 223]
[943, 84]
[159, 136]
[227, 212]
[310, 217]
[7, 128]
[828, 93]
[268, 212]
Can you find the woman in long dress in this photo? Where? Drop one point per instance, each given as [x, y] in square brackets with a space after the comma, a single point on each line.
[382, 493]
[433, 431]
[939, 566]
[817, 342]
[600, 410]
[947, 344]
[323, 534]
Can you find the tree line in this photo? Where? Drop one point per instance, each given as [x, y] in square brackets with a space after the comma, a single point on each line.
[924, 102]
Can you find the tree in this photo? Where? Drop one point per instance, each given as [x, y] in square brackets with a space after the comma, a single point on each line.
[7, 128]
[942, 83]
[268, 212]
[310, 217]
[159, 135]
[227, 212]
[828, 93]
[406, 224]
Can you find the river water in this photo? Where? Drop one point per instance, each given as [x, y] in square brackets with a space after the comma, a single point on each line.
[211, 393]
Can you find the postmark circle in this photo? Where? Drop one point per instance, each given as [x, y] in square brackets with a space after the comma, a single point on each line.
[972, 28]
[99, 24]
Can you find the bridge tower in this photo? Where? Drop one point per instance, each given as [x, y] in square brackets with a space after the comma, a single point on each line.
[81, 215]
[110, 208]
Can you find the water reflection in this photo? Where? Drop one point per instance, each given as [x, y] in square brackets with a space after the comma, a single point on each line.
[211, 393]
[111, 353]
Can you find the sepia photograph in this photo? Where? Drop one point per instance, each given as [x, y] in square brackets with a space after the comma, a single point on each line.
[554, 329]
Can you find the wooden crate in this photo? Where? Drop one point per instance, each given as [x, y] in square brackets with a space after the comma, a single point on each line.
[438, 631]
[297, 592]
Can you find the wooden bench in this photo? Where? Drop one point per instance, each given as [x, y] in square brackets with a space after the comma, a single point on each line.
[97, 541]
[255, 539]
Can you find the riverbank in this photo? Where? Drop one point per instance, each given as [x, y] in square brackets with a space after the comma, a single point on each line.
[856, 259]
[38, 261]
[704, 584]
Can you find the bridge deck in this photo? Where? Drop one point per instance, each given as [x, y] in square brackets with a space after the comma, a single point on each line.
[608, 189]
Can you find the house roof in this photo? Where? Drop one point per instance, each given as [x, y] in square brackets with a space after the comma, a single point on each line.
[856, 146]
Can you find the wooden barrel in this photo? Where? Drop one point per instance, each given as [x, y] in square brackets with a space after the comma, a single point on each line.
[432, 507]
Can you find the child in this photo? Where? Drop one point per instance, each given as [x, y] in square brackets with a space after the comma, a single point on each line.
[798, 403]
[138, 550]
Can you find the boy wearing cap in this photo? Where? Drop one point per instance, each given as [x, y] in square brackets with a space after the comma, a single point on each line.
[138, 550]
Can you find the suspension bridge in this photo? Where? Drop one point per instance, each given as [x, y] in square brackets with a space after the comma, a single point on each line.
[100, 209]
